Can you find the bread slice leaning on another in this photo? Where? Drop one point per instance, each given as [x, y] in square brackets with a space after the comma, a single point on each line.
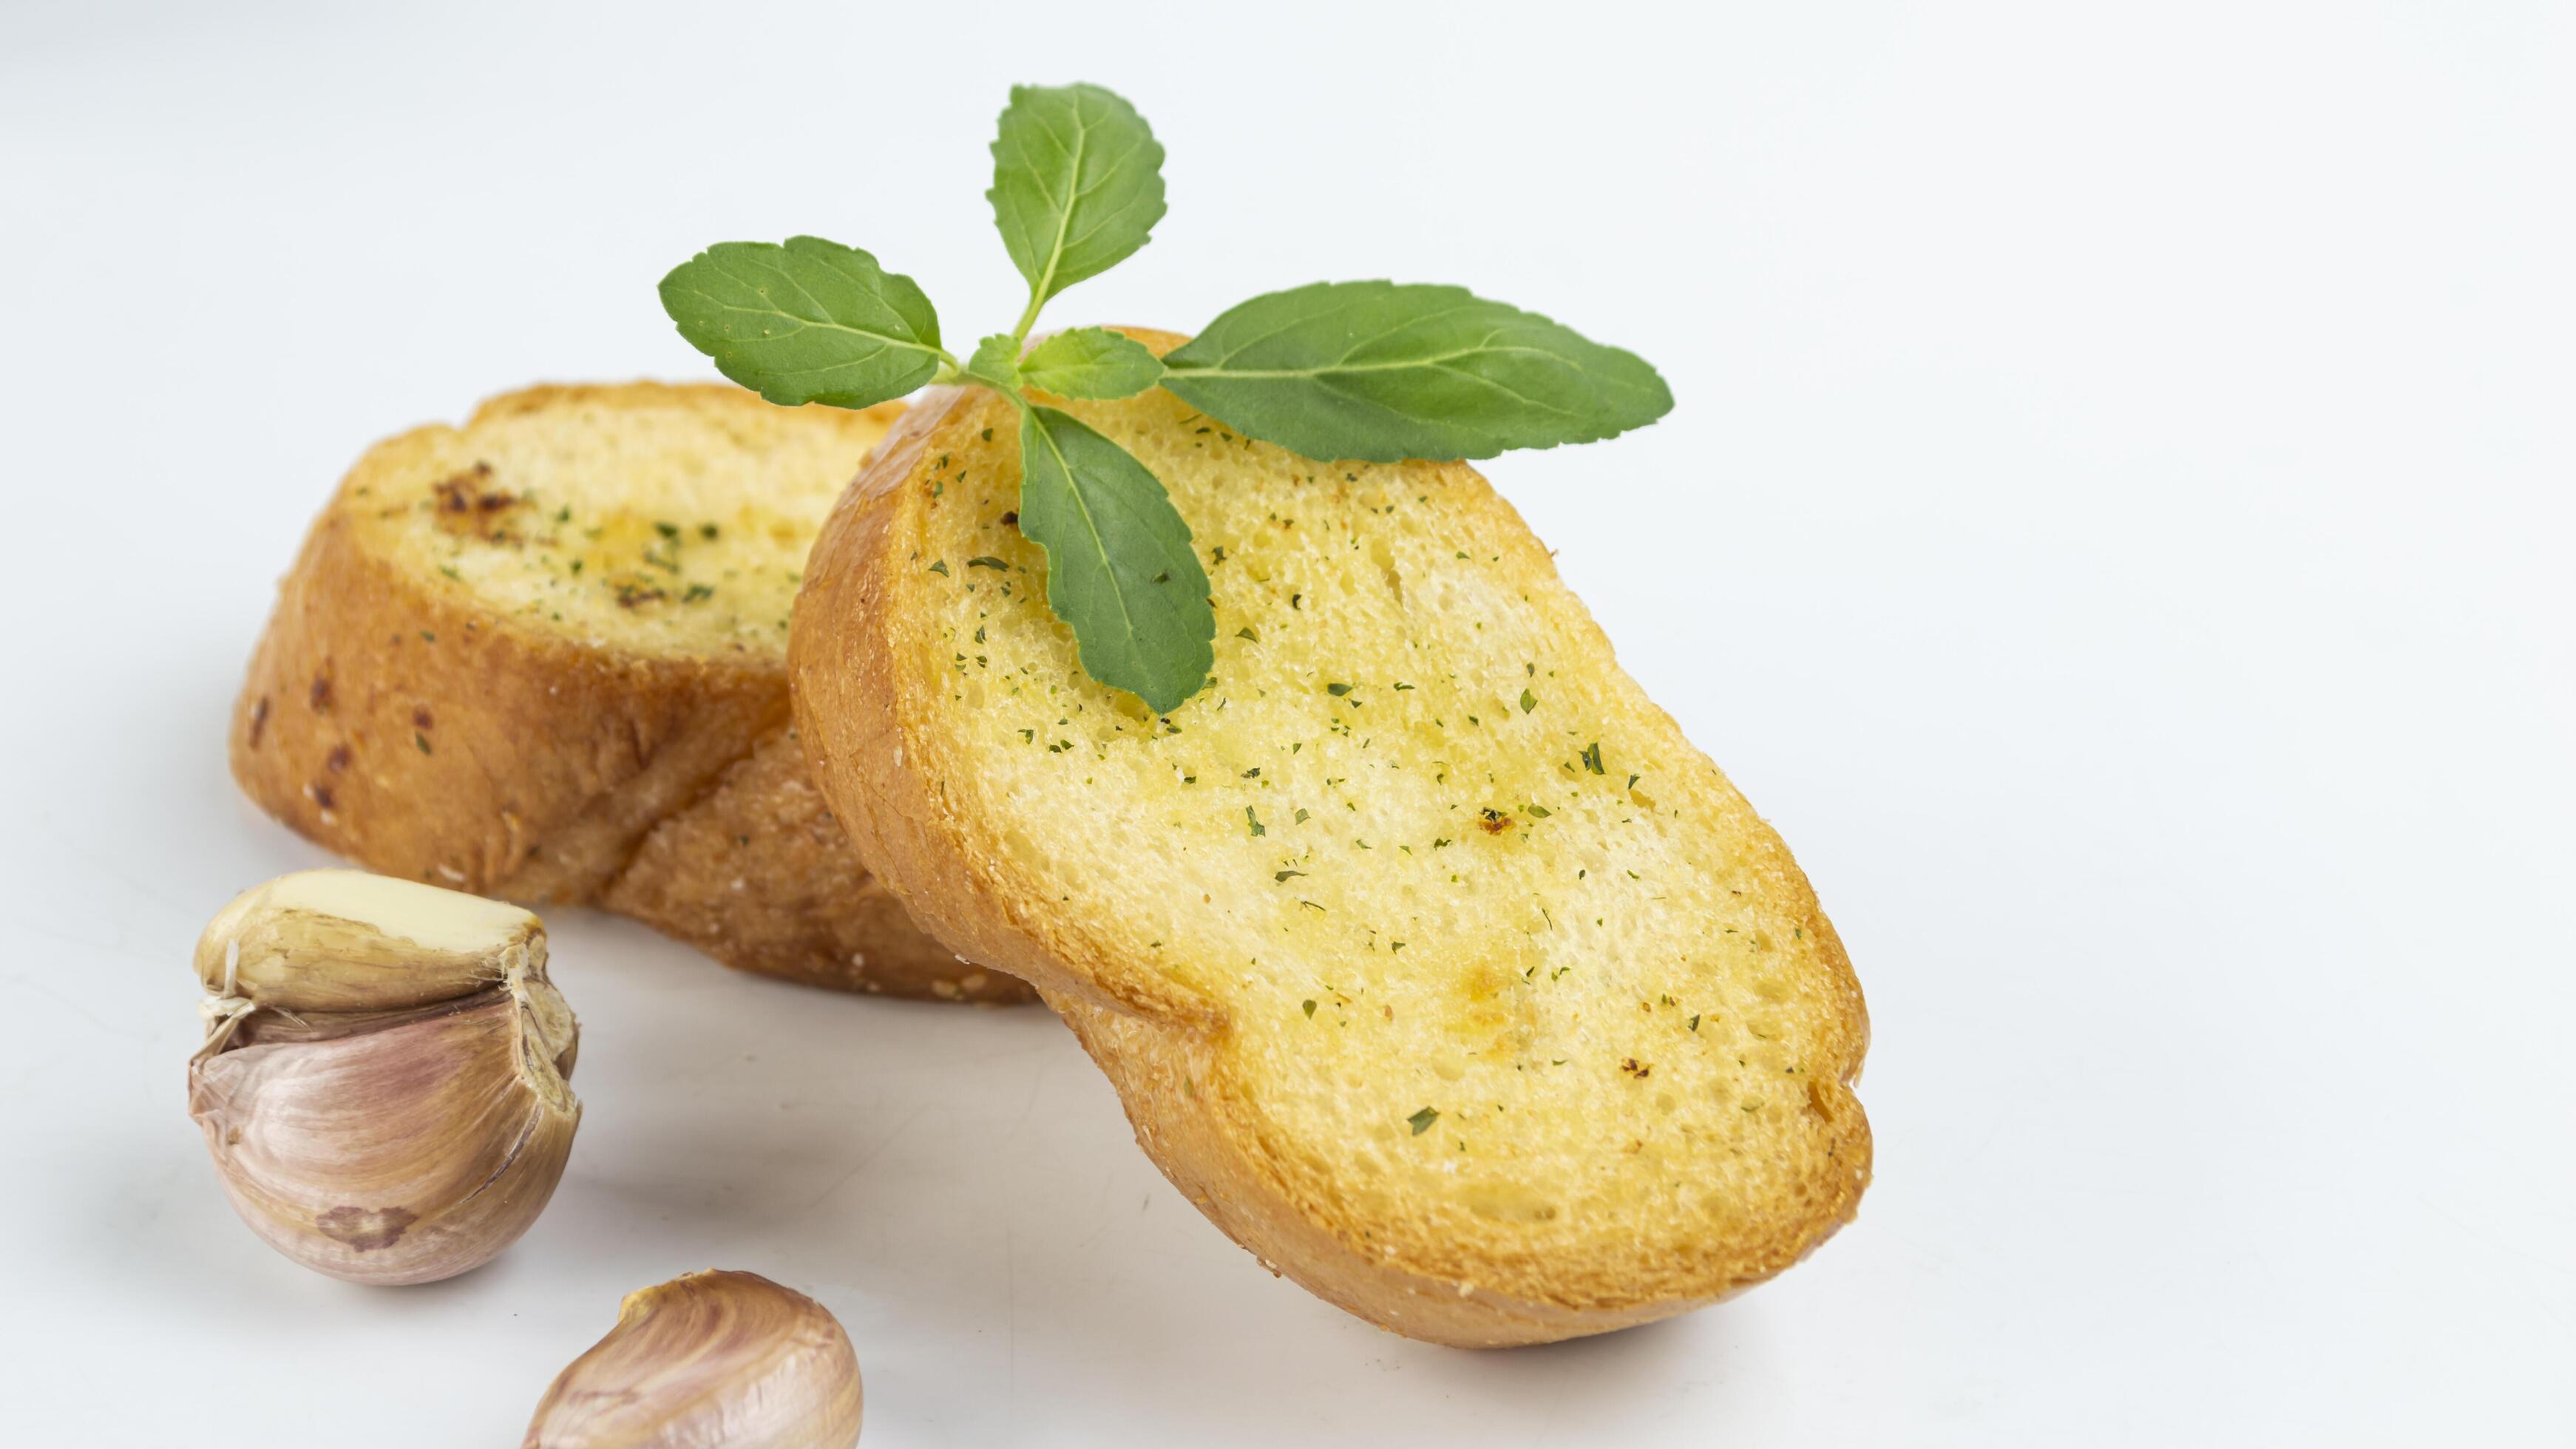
[543, 656]
[1429, 958]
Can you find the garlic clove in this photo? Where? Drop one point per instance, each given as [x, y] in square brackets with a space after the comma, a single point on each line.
[714, 1358]
[402, 1154]
[345, 940]
[399, 1140]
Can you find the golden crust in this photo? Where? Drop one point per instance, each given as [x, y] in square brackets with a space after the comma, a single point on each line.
[1156, 1040]
[759, 875]
[394, 718]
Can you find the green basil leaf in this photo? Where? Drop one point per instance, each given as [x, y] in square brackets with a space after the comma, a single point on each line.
[996, 363]
[1077, 185]
[1381, 372]
[1120, 569]
[811, 321]
[1091, 362]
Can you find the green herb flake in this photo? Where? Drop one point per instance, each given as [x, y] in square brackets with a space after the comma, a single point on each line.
[1592, 757]
[1529, 701]
[940, 568]
[1423, 1119]
[1254, 821]
[1310, 1008]
[1282, 876]
[421, 740]
[1246, 633]
[987, 561]
[1337, 690]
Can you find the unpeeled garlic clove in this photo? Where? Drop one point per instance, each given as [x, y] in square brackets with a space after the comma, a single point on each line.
[382, 1083]
[714, 1358]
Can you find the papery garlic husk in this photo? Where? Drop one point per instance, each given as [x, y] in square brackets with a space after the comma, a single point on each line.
[382, 1083]
[714, 1358]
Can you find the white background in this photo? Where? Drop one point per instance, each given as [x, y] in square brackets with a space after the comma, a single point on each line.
[2116, 523]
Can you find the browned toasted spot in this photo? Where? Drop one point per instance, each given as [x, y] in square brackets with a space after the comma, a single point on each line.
[456, 493]
[1820, 1098]
[337, 760]
[320, 694]
[420, 719]
[468, 503]
[258, 721]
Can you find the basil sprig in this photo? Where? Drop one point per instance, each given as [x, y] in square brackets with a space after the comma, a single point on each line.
[1376, 371]
[811, 321]
[1118, 559]
[1077, 186]
[1366, 370]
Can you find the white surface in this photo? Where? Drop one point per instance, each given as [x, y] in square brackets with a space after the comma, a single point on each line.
[2116, 523]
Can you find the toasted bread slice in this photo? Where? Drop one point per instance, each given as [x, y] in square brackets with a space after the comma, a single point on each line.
[543, 656]
[1431, 961]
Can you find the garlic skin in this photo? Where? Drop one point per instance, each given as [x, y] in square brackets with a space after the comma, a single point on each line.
[707, 1359]
[382, 1084]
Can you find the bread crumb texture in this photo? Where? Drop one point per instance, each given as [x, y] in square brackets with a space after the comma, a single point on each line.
[1512, 986]
[677, 528]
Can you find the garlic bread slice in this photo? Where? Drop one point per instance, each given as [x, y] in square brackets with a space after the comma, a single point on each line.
[543, 656]
[1429, 958]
